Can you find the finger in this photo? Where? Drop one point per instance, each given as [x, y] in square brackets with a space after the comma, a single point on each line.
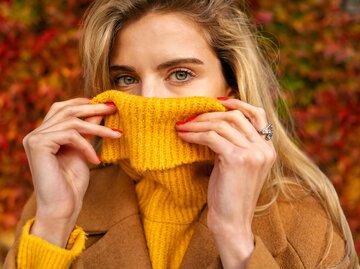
[84, 128]
[94, 120]
[234, 118]
[81, 111]
[71, 138]
[264, 154]
[212, 139]
[59, 105]
[223, 128]
[256, 115]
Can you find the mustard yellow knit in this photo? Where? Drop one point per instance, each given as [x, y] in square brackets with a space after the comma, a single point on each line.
[37, 253]
[170, 174]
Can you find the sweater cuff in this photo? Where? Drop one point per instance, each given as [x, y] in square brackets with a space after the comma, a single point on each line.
[35, 252]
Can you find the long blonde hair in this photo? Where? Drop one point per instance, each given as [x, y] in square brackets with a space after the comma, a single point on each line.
[246, 70]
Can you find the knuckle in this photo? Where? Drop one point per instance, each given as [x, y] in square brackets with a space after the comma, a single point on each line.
[68, 110]
[210, 136]
[221, 126]
[272, 155]
[237, 157]
[55, 106]
[261, 111]
[74, 122]
[236, 113]
[73, 134]
[32, 141]
[25, 140]
[257, 158]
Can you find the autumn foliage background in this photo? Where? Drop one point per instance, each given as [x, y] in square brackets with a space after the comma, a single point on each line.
[318, 64]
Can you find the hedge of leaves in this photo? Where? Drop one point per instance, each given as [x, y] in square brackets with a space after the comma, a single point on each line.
[319, 67]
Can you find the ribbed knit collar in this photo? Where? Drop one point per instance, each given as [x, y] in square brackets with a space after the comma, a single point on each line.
[150, 141]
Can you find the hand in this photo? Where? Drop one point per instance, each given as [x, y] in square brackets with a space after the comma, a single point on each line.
[243, 159]
[58, 152]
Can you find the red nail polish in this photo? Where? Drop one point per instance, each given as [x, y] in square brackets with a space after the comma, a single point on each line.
[183, 131]
[98, 157]
[116, 130]
[111, 104]
[222, 98]
[90, 98]
[190, 119]
[183, 122]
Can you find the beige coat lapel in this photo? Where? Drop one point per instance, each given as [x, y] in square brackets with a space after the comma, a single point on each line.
[202, 251]
[110, 213]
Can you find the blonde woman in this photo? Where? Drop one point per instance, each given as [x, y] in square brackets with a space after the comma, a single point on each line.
[199, 171]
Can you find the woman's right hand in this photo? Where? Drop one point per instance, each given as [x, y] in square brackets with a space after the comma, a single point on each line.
[58, 153]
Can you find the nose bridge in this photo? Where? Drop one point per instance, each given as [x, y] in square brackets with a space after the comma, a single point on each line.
[152, 87]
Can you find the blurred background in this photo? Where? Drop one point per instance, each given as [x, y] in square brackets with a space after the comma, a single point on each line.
[316, 53]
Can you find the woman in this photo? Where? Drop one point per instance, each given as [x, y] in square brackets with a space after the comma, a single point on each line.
[263, 204]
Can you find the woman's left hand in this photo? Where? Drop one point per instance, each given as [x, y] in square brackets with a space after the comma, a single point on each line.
[243, 159]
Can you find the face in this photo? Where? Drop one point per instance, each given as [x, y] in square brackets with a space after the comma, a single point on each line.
[165, 55]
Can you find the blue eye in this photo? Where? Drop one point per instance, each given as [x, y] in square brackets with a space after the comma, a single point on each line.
[123, 81]
[181, 75]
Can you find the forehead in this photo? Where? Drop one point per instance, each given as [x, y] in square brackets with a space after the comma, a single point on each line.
[164, 34]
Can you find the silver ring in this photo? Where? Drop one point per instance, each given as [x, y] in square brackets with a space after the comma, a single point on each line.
[268, 131]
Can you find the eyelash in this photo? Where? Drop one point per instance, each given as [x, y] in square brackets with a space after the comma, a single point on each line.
[187, 71]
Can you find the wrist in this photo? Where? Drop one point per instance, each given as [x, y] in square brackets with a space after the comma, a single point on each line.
[55, 232]
[235, 246]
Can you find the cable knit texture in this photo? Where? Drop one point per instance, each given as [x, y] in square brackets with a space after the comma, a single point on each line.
[170, 182]
[37, 253]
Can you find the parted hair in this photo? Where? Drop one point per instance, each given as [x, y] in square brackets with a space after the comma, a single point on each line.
[248, 72]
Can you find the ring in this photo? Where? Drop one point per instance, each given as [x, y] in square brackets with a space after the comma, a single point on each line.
[268, 131]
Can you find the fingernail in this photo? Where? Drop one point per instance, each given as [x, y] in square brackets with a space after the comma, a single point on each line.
[222, 98]
[183, 122]
[98, 157]
[111, 104]
[90, 98]
[116, 130]
[183, 131]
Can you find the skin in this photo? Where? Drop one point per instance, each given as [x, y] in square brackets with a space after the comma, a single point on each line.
[158, 73]
[58, 151]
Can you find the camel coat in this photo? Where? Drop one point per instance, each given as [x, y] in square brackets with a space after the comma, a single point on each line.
[286, 236]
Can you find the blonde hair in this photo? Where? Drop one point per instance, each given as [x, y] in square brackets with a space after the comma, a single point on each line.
[246, 70]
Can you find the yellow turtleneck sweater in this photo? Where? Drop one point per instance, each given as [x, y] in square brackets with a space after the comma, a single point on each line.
[171, 183]
[170, 190]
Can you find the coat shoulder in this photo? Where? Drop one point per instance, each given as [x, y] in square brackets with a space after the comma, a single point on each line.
[310, 232]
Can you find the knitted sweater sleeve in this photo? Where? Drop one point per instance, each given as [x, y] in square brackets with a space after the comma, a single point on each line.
[35, 252]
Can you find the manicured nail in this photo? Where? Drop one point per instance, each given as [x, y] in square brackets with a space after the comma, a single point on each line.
[118, 131]
[183, 122]
[111, 104]
[90, 98]
[98, 157]
[183, 131]
[222, 98]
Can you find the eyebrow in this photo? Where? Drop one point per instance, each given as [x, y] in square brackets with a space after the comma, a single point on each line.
[179, 61]
[164, 65]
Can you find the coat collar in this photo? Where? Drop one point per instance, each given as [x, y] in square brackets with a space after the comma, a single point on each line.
[111, 199]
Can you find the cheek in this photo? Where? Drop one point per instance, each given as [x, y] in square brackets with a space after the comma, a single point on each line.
[210, 87]
[216, 86]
